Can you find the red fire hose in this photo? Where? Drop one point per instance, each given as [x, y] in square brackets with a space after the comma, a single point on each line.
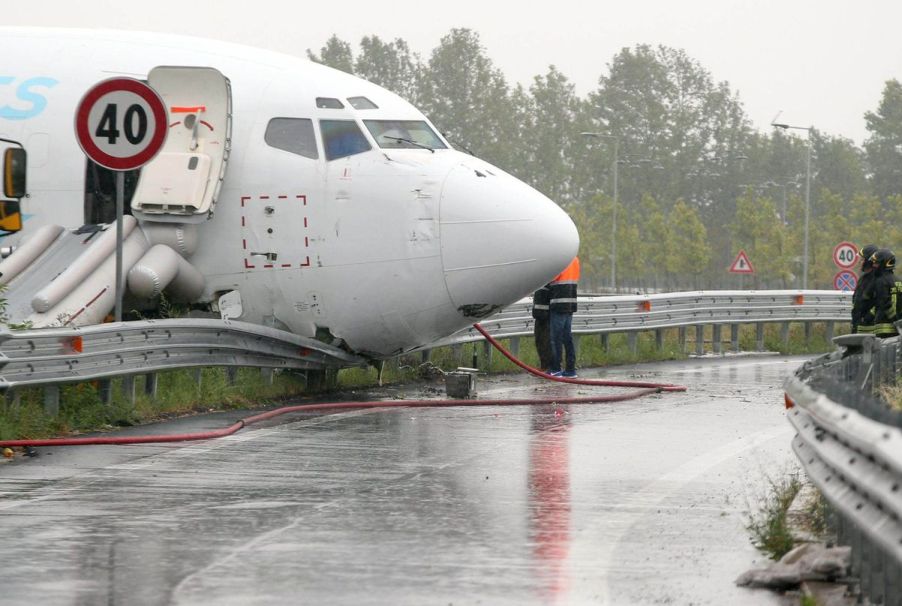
[642, 389]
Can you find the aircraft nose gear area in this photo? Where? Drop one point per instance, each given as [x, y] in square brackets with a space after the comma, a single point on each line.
[641, 389]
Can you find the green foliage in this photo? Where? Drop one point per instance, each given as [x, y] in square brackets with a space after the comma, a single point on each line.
[336, 53]
[391, 65]
[688, 252]
[884, 146]
[766, 522]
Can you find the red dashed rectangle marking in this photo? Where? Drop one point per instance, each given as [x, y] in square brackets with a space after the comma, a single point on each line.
[244, 224]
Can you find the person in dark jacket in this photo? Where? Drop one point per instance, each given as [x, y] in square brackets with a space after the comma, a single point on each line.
[563, 305]
[862, 298]
[887, 294]
[541, 299]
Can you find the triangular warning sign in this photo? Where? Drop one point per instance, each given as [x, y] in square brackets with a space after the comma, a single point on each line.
[741, 264]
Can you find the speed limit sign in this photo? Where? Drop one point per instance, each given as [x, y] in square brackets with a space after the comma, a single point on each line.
[120, 123]
[845, 254]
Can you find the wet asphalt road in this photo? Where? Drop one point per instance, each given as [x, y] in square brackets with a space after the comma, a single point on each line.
[640, 502]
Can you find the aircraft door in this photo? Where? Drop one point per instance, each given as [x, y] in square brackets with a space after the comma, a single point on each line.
[181, 184]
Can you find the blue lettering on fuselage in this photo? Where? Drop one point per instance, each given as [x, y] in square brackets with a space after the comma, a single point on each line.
[29, 102]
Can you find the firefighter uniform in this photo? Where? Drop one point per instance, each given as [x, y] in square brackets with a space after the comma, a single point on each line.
[863, 297]
[887, 294]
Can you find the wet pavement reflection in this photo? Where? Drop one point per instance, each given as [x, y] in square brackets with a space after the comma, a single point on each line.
[639, 502]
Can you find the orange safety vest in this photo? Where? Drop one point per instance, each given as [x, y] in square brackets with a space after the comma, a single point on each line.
[570, 275]
[563, 289]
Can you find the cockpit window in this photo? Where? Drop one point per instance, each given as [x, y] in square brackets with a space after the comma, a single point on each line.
[293, 135]
[403, 134]
[342, 138]
[362, 103]
[329, 103]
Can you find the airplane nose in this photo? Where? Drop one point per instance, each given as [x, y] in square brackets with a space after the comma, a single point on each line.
[501, 239]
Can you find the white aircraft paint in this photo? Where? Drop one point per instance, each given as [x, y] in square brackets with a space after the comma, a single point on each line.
[384, 250]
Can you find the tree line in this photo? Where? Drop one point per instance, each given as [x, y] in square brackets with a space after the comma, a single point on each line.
[696, 183]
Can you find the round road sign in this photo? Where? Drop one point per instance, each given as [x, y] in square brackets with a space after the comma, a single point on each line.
[845, 281]
[120, 123]
[845, 254]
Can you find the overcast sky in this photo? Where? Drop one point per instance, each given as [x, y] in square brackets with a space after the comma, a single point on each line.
[822, 63]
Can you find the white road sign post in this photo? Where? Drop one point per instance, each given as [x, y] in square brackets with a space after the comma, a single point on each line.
[120, 124]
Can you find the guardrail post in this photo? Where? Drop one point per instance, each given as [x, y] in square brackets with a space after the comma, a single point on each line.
[682, 339]
[784, 333]
[150, 385]
[128, 389]
[576, 345]
[267, 374]
[717, 337]
[855, 543]
[514, 346]
[52, 400]
[734, 337]
[105, 390]
[877, 593]
[807, 333]
[864, 578]
[700, 340]
[659, 339]
[231, 374]
[457, 352]
[828, 330]
[759, 336]
[632, 340]
[425, 355]
[606, 342]
[487, 354]
[198, 377]
[13, 399]
[893, 581]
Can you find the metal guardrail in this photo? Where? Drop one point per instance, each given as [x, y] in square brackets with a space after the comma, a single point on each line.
[849, 442]
[60, 355]
[637, 313]
[51, 356]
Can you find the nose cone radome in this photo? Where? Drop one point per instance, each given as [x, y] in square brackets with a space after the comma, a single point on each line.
[501, 239]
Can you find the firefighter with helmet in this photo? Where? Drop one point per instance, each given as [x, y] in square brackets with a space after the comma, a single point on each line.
[862, 298]
[887, 294]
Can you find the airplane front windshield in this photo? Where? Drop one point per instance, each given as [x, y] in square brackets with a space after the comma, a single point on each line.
[403, 134]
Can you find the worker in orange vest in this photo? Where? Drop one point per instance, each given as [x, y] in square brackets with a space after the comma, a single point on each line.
[562, 307]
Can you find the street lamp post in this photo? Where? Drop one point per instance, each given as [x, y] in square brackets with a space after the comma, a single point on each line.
[808, 129]
[614, 211]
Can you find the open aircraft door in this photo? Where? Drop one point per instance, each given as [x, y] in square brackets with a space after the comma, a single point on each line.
[181, 184]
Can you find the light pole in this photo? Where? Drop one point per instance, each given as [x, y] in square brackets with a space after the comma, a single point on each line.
[614, 211]
[808, 129]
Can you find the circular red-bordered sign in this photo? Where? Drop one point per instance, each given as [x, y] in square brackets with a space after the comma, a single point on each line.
[120, 123]
[845, 254]
[845, 281]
